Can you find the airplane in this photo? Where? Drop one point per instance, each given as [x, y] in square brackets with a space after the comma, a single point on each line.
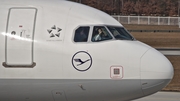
[48, 53]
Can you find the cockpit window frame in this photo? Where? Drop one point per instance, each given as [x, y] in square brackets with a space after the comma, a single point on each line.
[91, 29]
[74, 34]
[133, 38]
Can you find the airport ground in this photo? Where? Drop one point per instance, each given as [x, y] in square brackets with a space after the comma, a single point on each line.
[162, 96]
[161, 40]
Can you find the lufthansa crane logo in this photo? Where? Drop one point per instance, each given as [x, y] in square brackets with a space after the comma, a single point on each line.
[82, 61]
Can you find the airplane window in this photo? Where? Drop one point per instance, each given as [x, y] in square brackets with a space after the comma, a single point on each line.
[100, 33]
[120, 33]
[81, 34]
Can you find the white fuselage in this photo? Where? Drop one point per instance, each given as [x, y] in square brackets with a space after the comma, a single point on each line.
[42, 62]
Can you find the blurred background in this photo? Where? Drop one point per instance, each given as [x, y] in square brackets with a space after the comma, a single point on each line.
[135, 7]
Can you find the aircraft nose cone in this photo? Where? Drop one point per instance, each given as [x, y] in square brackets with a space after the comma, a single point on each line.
[156, 71]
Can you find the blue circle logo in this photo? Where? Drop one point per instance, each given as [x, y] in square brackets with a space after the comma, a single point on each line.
[82, 61]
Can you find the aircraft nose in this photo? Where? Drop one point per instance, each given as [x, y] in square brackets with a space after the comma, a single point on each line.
[156, 71]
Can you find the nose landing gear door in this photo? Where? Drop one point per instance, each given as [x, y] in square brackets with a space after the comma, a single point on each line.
[20, 37]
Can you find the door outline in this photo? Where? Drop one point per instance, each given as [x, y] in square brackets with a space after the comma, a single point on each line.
[32, 43]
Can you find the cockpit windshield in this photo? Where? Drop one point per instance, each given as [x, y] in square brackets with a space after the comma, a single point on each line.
[100, 33]
[120, 33]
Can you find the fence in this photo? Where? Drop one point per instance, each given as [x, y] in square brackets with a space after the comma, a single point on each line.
[149, 20]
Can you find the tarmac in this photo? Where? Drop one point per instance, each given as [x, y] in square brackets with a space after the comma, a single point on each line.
[162, 96]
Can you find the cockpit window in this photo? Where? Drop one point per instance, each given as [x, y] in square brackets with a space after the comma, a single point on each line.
[81, 34]
[100, 33]
[120, 33]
